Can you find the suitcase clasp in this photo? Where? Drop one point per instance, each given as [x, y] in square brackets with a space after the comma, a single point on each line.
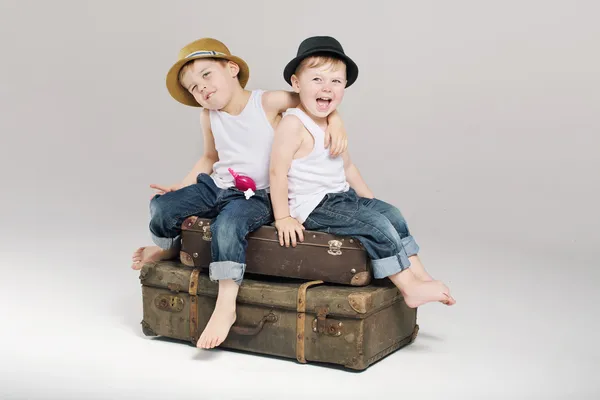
[207, 234]
[335, 247]
[169, 303]
[326, 326]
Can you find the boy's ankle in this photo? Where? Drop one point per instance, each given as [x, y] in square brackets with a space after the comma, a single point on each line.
[404, 278]
[227, 295]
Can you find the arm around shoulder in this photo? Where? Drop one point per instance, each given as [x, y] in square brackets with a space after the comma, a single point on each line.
[277, 101]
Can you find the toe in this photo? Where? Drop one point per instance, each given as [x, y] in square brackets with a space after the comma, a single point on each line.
[448, 300]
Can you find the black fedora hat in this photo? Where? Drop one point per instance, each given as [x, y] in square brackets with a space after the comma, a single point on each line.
[321, 45]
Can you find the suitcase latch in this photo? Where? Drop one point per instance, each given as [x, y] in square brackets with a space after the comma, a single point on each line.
[206, 234]
[169, 303]
[335, 247]
[324, 325]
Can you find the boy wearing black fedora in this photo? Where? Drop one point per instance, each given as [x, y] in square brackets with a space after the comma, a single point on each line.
[238, 127]
[312, 190]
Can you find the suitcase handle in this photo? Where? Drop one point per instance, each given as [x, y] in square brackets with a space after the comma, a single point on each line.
[253, 330]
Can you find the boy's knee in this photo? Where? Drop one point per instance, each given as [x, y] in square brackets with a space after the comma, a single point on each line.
[386, 233]
[397, 219]
[155, 206]
[159, 218]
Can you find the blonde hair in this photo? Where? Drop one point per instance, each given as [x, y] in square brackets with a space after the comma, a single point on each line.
[189, 64]
[318, 61]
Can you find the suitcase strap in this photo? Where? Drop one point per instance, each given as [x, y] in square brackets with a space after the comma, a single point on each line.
[301, 319]
[300, 308]
[193, 291]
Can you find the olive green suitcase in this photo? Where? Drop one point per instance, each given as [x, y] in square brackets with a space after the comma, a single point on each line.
[310, 321]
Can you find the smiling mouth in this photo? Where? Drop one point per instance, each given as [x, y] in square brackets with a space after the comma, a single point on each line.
[208, 96]
[323, 103]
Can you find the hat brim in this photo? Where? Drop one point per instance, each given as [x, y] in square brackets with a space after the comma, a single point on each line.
[180, 94]
[351, 67]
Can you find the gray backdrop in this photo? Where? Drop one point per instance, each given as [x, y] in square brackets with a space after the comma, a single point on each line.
[478, 119]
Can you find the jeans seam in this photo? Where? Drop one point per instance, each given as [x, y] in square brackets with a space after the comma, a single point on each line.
[262, 219]
[344, 195]
[312, 221]
[266, 211]
[336, 215]
[198, 211]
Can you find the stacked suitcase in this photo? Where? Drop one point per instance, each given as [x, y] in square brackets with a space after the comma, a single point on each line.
[316, 302]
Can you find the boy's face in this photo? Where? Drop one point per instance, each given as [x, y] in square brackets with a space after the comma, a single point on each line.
[211, 82]
[321, 88]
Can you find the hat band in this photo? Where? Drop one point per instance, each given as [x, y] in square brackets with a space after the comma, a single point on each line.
[204, 53]
[324, 48]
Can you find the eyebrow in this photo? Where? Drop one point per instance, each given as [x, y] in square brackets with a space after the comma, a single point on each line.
[199, 73]
[320, 75]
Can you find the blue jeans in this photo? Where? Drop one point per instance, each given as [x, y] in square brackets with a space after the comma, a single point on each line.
[234, 217]
[377, 225]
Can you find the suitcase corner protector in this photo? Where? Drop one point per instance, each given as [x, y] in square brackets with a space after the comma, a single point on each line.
[146, 329]
[189, 222]
[360, 301]
[186, 259]
[361, 279]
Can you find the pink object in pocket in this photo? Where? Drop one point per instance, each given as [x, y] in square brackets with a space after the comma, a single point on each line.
[242, 182]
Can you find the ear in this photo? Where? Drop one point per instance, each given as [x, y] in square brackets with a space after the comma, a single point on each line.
[295, 83]
[234, 69]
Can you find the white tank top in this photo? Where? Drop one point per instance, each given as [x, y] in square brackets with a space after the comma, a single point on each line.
[311, 177]
[243, 142]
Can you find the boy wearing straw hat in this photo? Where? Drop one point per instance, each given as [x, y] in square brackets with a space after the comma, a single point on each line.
[312, 190]
[238, 127]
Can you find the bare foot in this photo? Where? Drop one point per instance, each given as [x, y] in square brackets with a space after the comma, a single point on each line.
[149, 254]
[426, 292]
[417, 292]
[418, 269]
[222, 318]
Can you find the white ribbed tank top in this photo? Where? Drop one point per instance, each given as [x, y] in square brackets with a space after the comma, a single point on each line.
[243, 142]
[311, 177]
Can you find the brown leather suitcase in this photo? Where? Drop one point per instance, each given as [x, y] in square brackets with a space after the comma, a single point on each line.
[321, 256]
[312, 321]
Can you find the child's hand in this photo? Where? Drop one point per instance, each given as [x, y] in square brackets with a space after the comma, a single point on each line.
[165, 189]
[335, 137]
[287, 228]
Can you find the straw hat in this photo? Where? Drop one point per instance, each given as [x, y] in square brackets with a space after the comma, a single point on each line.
[201, 48]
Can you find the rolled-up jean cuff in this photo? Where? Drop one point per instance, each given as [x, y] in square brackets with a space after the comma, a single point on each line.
[166, 243]
[410, 246]
[219, 270]
[384, 267]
